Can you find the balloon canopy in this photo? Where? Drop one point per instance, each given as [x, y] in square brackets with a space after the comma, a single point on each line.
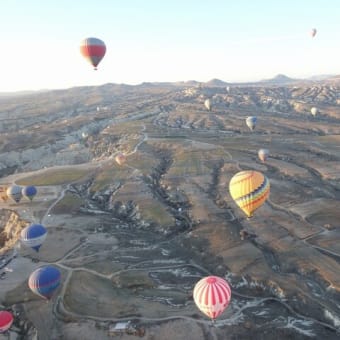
[29, 192]
[251, 122]
[207, 104]
[120, 159]
[93, 50]
[263, 154]
[14, 192]
[33, 236]
[212, 295]
[314, 111]
[6, 320]
[249, 189]
[44, 281]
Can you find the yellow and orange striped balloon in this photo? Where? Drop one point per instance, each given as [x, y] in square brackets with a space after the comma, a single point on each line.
[249, 190]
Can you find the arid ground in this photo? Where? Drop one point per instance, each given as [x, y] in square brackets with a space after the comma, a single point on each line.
[132, 240]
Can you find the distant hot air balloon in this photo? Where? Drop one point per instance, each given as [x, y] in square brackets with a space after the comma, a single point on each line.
[44, 281]
[207, 104]
[33, 236]
[93, 49]
[314, 111]
[251, 122]
[313, 32]
[212, 295]
[6, 320]
[120, 159]
[15, 193]
[249, 189]
[29, 192]
[263, 154]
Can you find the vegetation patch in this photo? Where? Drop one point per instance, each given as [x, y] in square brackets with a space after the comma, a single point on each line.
[55, 177]
[70, 203]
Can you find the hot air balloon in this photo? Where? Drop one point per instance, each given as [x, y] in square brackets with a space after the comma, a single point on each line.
[120, 159]
[6, 320]
[15, 193]
[29, 192]
[313, 32]
[251, 122]
[44, 281]
[212, 295]
[314, 111]
[207, 104]
[33, 236]
[249, 189]
[93, 49]
[263, 154]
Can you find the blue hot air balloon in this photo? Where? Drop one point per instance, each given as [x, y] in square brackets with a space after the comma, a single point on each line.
[251, 122]
[44, 281]
[29, 192]
[33, 236]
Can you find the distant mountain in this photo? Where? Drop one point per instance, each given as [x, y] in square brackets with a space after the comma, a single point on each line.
[216, 82]
[280, 79]
[321, 77]
[21, 93]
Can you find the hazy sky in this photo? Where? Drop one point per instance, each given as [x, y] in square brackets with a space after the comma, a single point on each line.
[165, 40]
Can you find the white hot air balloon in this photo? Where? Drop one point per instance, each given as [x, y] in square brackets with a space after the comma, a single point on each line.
[314, 111]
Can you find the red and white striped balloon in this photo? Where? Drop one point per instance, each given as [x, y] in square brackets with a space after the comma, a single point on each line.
[212, 295]
[6, 320]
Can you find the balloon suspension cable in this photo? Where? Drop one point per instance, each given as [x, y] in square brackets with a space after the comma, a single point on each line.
[213, 323]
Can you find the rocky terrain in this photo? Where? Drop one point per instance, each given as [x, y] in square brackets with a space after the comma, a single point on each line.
[131, 241]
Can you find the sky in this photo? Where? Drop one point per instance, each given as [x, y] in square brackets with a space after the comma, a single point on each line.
[165, 40]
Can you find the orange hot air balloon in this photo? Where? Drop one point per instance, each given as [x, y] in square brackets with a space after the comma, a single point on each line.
[120, 159]
[249, 190]
[93, 49]
[263, 154]
[212, 295]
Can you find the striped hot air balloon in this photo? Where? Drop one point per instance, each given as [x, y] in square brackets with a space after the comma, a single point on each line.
[6, 320]
[29, 192]
[93, 50]
[212, 295]
[44, 281]
[33, 236]
[249, 189]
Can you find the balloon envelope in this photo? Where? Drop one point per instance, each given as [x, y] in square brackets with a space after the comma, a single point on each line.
[212, 295]
[6, 320]
[33, 236]
[44, 281]
[249, 190]
[29, 192]
[314, 111]
[263, 154]
[207, 104]
[251, 122]
[313, 32]
[120, 159]
[15, 193]
[93, 50]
